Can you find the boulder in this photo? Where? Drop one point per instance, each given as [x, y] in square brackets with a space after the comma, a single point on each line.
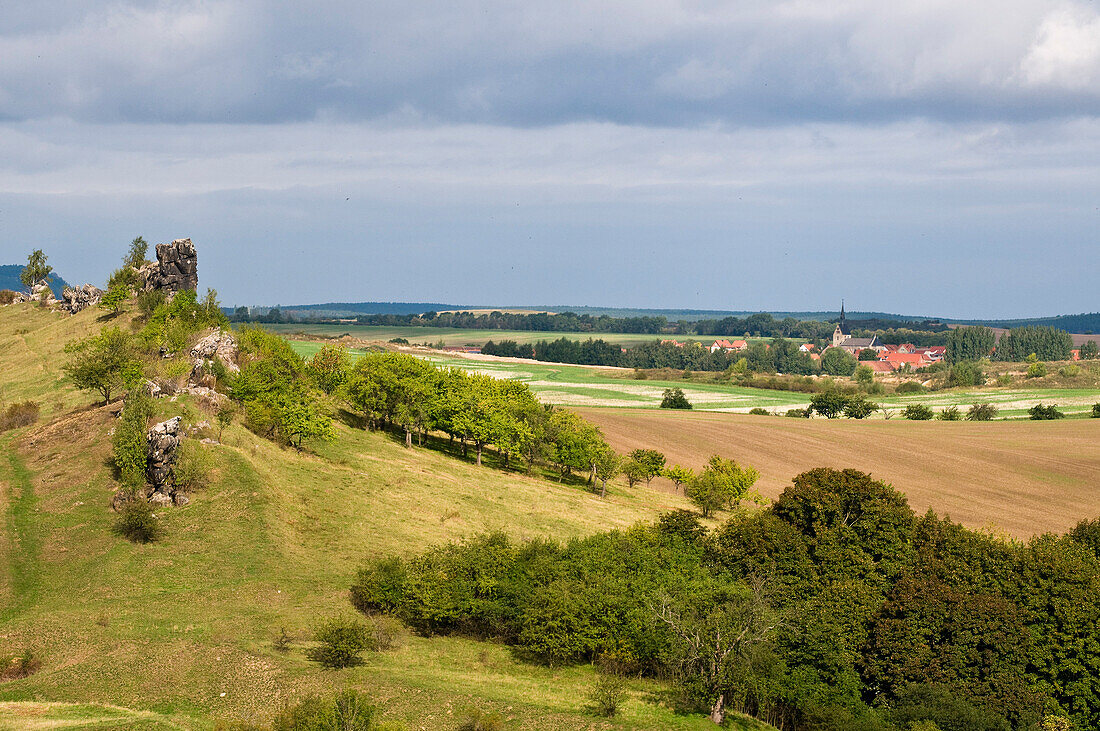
[81, 298]
[218, 344]
[206, 396]
[176, 268]
[41, 291]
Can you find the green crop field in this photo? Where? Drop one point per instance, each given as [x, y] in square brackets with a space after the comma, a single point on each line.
[570, 385]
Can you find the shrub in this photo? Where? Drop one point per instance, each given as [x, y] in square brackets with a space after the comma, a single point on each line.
[981, 412]
[348, 710]
[477, 720]
[17, 415]
[859, 408]
[281, 643]
[19, 666]
[138, 523]
[798, 413]
[607, 695]
[967, 373]
[1095, 413]
[193, 466]
[917, 412]
[129, 442]
[1036, 370]
[674, 398]
[909, 387]
[1004, 380]
[340, 642]
[1070, 371]
[950, 414]
[149, 300]
[759, 411]
[7, 296]
[399, 341]
[385, 634]
[1039, 412]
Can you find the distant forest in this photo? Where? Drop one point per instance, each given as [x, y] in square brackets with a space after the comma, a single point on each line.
[9, 279]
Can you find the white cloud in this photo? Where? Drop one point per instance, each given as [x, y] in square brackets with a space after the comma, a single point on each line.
[1066, 52]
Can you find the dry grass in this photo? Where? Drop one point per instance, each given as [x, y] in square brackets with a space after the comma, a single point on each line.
[1025, 477]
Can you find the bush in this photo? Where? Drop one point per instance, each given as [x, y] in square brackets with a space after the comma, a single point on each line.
[348, 710]
[674, 398]
[399, 341]
[798, 413]
[17, 415]
[1039, 412]
[917, 412]
[607, 695]
[477, 720]
[950, 414]
[759, 411]
[19, 666]
[129, 442]
[1095, 413]
[341, 641]
[281, 643]
[859, 408]
[193, 466]
[137, 522]
[981, 412]
[909, 387]
[1036, 370]
[7, 296]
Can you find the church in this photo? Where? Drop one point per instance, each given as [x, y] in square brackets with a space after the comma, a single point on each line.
[842, 338]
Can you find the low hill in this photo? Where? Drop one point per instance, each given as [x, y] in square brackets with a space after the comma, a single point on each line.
[179, 633]
[1025, 477]
[9, 279]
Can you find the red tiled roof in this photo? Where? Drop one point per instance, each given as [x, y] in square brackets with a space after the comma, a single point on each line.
[904, 358]
[880, 366]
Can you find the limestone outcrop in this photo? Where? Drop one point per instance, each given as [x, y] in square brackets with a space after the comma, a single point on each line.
[176, 268]
[163, 441]
[39, 290]
[218, 344]
[75, 299]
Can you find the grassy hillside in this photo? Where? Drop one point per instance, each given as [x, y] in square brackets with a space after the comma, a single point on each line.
[1025, 477]
[178, 634]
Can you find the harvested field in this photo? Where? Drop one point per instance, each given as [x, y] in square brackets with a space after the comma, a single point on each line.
[1024, 477]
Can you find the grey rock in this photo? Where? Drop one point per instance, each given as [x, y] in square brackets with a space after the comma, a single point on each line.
[81, 298]
[218, 344]
[162, 442]
[176, 268]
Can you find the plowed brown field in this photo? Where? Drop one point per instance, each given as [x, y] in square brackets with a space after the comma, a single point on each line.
[1023, 476]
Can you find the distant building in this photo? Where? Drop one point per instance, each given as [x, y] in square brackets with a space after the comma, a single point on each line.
[842, 338]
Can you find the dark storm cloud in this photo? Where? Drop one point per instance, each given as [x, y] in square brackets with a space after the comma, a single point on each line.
[532, 63]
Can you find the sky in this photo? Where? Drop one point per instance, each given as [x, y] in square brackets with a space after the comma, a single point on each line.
[913, 156]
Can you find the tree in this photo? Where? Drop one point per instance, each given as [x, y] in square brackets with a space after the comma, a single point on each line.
[837, 362]
[918, 412]
[1039, 412]
[135, 257]
[981, 412]
[608, 466]
[106, 363]
[713, 637]
[1046, 343]
[652, 461]
[634, 471]
[864, 375]
[674, 398]
[867, 354]
[969, 343]
[1089, 350]
[722, 484]
[679, 475]
[859, 407]
[329, 366]
[36, 270]
[829, 404]
[114, 298]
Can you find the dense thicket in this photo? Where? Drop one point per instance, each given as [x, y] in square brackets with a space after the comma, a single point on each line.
[969, 343]
[836, 608]
[1045, 343]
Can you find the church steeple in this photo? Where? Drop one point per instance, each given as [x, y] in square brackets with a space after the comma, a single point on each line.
[842, 313]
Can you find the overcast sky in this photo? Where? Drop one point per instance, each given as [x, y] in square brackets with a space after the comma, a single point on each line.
[916, 156]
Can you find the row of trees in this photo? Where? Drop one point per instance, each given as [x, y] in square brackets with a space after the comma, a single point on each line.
[1043, 343]
[778, 356]
[836, 608]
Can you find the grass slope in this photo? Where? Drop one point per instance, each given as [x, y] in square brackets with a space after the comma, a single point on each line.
[1025, 477]
[178, 634]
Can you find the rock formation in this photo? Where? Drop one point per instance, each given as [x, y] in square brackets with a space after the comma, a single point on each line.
[176, 268]
[218, 344]
[81, 298]
[163, 442]
[39, 290]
